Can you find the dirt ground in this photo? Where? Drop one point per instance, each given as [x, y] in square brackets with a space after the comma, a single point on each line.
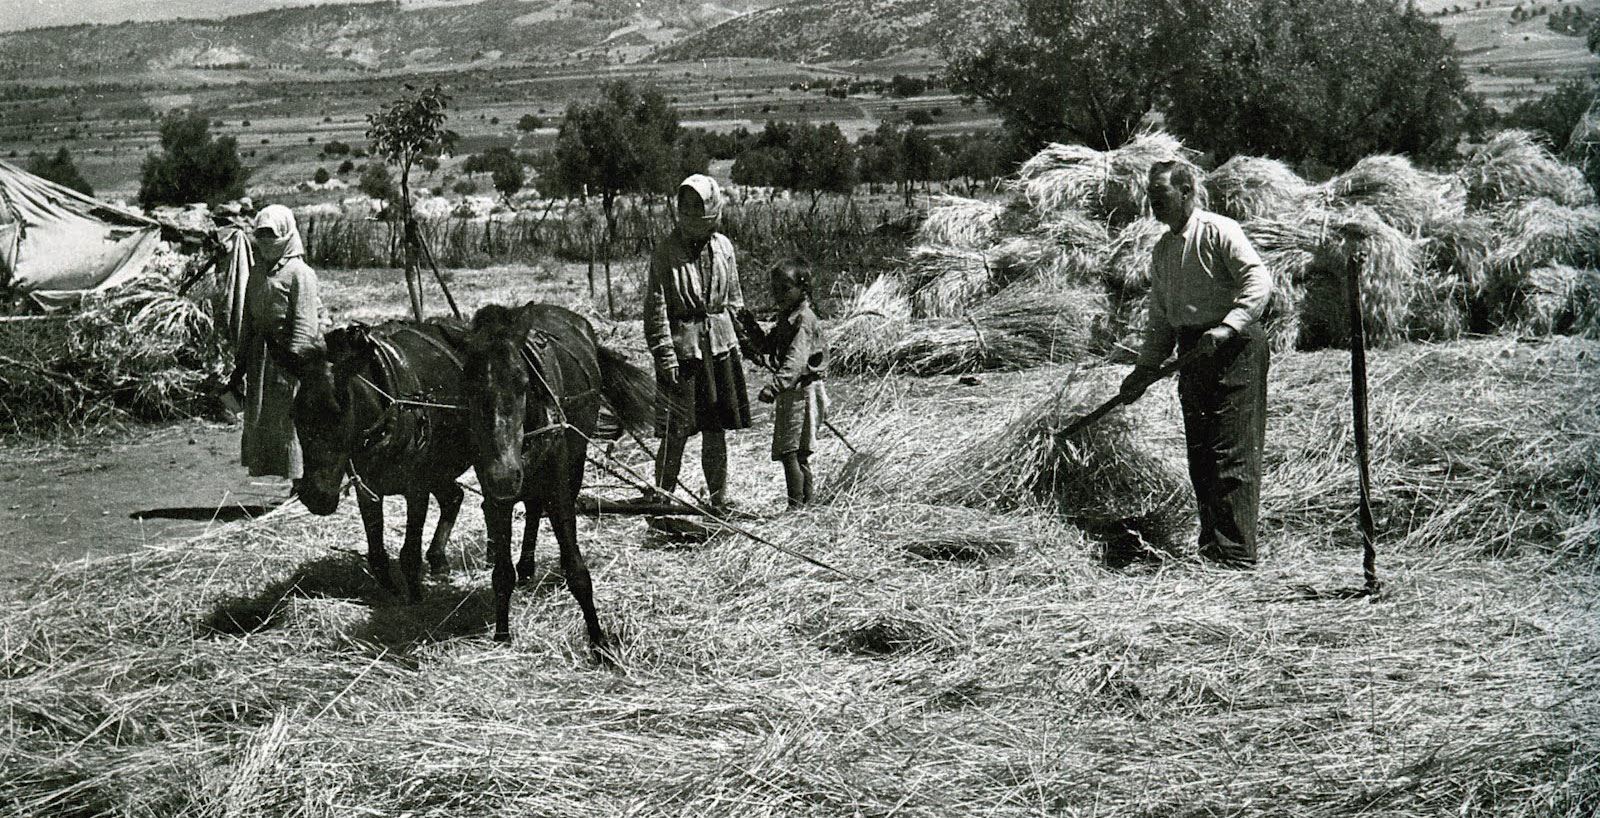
[153, 486]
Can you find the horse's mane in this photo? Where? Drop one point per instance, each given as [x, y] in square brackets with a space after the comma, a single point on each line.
[495, 324]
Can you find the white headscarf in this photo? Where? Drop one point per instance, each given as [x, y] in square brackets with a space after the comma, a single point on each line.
[709, 192]
[285, 243]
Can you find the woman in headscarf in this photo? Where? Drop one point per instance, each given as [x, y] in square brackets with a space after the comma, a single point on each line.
[691, 295]
[282, 325]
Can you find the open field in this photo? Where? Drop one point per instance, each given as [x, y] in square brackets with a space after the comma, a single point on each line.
[282, 122]
[992, 666]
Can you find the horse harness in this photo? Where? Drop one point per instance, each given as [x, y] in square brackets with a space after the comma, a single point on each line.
[393, 423]
[532, 350]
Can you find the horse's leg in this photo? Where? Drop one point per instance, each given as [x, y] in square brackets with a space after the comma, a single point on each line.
[564, 521]
[411, 552]
[372, 521]
[534, 508]
[449, 496]
[497, 524]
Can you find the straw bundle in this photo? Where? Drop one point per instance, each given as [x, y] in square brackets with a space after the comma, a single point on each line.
[1583, 305]
[1397, 191]
[1388, 277]
[877, 317]
[1064, 177]
[1028, 324]
[1127, 272]
[1250, 187]
[1110, 185]
[1126, 197]
[1539, 234]
[1549, 298]
[1100, 478]
[954, 221]
[1038, 256]
[944, 281]
[1439, 308]
[1515, 166]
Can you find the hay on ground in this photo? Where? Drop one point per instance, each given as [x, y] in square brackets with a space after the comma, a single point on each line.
[1101, 478]
[1514, 166]
[1250, 187]
[1389, 274]
[954, 221]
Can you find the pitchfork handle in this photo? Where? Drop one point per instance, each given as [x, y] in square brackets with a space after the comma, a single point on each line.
[1122, 399]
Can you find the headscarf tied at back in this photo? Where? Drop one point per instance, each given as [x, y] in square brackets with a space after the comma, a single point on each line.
[284, 243]
[709, 192]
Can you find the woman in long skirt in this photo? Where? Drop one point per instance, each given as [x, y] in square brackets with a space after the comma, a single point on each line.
[282, 325]
[691, 295]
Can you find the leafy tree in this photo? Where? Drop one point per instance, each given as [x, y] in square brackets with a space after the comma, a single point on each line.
[346, 166]
[377, 182]
[193, 166]
[529, 123]
[978, 157]
[321, 176]
[620, 142]
[464, 187]
[59, 169]
[821, 160]
[508, 179]
[691, 153]
[334, 147]
[1555, 114]
[1328, 81]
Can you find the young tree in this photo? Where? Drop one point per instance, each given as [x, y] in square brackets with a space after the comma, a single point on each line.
[193, 166]
[321, 176]
[821, 160]
[59, 169]
[409, 129]
[529, 123]
[508, 179]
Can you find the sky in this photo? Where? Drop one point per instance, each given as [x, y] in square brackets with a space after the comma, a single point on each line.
[16, 14]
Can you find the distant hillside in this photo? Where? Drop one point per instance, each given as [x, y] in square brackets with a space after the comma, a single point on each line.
[836, 30]
[370, 36]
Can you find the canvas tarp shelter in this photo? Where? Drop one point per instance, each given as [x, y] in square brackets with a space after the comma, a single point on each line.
[57, 244]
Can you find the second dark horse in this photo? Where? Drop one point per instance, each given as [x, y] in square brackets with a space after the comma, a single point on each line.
[535, 380]
[381, 407]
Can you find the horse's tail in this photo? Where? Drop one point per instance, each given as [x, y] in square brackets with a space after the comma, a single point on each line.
[629, 390]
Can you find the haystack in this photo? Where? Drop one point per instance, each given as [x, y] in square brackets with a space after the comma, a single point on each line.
[1514, 166]
[1028, 324]
[1397, 191]
[954, 221]
[1126, 197]
[877, 317]
[1035, 255]
[1388, 277]
[1250, 187]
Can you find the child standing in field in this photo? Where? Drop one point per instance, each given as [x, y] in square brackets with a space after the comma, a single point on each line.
[796, 352]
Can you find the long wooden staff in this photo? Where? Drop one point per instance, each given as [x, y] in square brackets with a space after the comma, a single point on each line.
[1358, 395]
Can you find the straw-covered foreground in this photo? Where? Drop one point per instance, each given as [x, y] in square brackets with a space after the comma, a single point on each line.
[992, 667]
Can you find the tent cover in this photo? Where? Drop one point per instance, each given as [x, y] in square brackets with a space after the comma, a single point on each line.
[57, 244]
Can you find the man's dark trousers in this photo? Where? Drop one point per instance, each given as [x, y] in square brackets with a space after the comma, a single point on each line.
[1224, 399]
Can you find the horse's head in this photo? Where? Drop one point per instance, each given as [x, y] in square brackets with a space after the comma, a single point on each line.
[495, 382]
[325, 418]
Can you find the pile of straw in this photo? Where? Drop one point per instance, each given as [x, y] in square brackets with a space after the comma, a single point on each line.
[1539, 234]
[137, 352]
[954, 221]
[1026, 325]
[1389, 275]
[1397, 192]
[1250, 187]
[879, 315]
[1514, 166]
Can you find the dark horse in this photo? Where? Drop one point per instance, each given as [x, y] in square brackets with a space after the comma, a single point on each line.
[382, 407]
[535, 380]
